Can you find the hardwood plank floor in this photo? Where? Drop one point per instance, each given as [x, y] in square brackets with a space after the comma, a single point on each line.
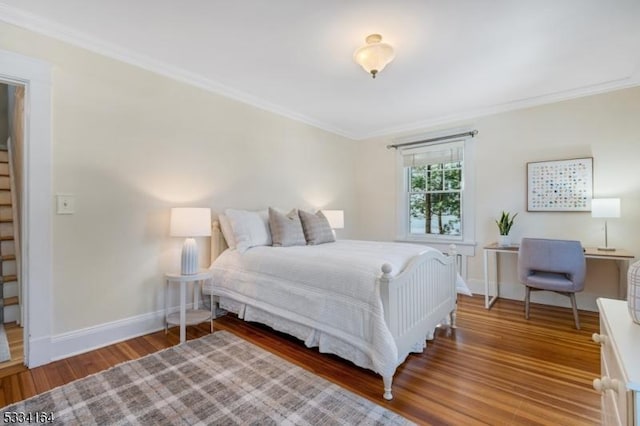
[16, 349]
[495, 368]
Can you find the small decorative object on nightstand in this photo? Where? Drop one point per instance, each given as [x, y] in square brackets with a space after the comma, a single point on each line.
[187, 316]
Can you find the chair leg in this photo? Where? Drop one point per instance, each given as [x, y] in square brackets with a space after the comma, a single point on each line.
[526, 302]
[572, 296]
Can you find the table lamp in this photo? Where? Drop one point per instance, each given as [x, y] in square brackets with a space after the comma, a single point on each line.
[335, 219]
[190, 222]
[605, 208]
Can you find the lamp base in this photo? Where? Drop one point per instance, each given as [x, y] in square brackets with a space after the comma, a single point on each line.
[189, 259]
[606, 249]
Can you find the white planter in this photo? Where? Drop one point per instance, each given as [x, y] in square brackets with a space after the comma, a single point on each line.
[633, 291]
[504, 241]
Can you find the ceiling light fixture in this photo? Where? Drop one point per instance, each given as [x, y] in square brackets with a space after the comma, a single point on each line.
[375, 55]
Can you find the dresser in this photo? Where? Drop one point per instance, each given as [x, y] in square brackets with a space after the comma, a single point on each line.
[619, 340]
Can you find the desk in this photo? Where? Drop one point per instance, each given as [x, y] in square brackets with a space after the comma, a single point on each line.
[620, 256]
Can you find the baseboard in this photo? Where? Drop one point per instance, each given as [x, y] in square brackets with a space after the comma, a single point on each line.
[39, 352]
[87, 339]
[585, 301]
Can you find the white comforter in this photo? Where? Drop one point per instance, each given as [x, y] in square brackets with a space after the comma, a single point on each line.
[329, 287]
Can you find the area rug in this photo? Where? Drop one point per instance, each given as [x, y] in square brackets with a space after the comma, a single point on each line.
[5, 354]
[217, 379]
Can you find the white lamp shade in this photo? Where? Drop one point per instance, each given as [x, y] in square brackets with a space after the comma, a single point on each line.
[335, 218]
[190, 222]
[605, 207]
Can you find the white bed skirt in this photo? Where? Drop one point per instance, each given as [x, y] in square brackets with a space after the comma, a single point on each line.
[311, 337]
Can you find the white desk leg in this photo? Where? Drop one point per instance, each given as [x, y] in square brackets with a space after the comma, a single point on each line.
[183, 319]
[488, 299]
[486, 279]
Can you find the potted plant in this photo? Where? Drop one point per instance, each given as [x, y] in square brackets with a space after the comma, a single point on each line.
[504, 226]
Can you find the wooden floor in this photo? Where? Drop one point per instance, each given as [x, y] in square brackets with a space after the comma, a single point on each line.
[16, 349]
[495, 368]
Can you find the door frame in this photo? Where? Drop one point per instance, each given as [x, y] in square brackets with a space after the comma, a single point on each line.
[37, 203]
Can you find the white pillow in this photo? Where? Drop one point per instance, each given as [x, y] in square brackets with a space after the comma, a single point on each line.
[227, 230]
[250, 229]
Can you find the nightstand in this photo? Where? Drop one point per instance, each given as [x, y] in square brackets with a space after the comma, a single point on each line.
[186, 316]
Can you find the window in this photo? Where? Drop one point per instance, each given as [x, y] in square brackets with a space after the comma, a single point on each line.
[435, 198]
[435, 190]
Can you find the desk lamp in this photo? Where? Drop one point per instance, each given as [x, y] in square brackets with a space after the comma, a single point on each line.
[605, 208]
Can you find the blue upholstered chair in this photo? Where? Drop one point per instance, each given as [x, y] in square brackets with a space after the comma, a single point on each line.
[552, 265]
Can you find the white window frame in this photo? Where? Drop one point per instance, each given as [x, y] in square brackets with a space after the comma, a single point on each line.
[465, 243]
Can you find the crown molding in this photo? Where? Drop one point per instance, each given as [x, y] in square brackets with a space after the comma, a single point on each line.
[61, 32]
[55, 30]
[565, 95]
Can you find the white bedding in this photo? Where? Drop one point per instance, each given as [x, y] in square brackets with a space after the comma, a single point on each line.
[330, 288]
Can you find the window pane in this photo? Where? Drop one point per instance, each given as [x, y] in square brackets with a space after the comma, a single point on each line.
[435, 178]
[456, 165]
[418, 179]
[452, 179]
[437, 214]
[417, 206]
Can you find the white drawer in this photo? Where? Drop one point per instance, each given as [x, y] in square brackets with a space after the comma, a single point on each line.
[617, 404]
[613, 412]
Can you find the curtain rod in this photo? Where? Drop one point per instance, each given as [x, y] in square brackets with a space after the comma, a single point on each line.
[439, 138]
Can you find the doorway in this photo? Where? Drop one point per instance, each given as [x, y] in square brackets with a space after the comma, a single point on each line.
[12, 119]
[35, 251]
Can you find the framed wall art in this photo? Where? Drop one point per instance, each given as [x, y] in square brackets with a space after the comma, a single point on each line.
[560, 185]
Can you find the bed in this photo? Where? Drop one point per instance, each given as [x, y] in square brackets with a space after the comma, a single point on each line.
[397, 294]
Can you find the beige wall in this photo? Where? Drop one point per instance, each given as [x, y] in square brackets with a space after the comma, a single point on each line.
[605, 127]
[130, 144]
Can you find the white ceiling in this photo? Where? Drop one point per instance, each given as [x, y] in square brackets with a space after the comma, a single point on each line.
[454, 59]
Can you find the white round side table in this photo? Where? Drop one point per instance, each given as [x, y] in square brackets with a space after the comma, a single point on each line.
[186, 316]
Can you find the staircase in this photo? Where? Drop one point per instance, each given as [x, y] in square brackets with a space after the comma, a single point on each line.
[9, 288]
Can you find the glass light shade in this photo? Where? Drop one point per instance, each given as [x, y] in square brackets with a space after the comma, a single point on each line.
[190, 222]
[375, 55]
[605, 207]
[335, 218]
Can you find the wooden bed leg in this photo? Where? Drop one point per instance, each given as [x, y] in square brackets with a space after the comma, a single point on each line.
[452, 317]
[387, 387]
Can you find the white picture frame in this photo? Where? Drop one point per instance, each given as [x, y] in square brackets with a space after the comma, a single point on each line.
[560, 185]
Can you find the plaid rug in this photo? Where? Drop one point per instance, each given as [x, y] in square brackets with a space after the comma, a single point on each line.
[217, 379]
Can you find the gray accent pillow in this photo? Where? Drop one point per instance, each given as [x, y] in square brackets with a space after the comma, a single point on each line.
[316, 228]
[286, 229]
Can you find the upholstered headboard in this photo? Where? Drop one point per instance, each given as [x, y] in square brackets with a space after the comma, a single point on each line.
[218, 243]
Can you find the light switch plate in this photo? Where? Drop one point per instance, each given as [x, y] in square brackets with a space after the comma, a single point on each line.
[66, 204]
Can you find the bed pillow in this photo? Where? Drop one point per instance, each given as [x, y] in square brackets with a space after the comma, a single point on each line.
[250, 229]
[286, 229]
[227, 230]
[316, 228]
